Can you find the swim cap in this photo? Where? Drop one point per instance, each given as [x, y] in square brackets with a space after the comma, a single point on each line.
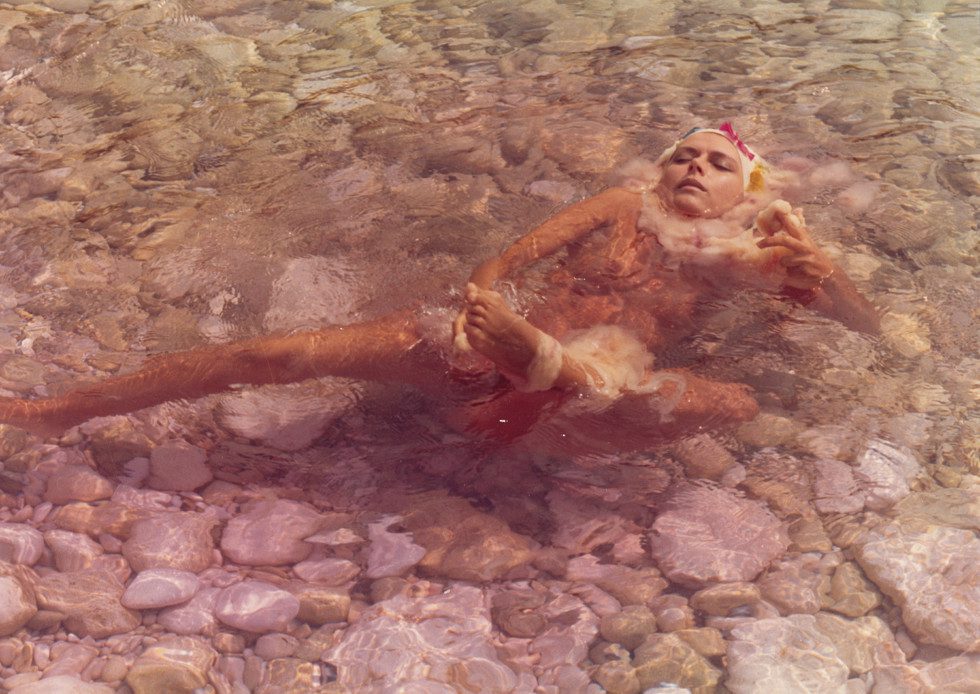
[753, 166]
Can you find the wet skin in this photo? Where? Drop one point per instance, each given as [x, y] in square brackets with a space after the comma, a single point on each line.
[699, 180]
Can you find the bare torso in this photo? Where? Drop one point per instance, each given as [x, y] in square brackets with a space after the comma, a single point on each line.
[621, 274]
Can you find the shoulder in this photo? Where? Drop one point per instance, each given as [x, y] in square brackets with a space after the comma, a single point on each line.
[622, 199]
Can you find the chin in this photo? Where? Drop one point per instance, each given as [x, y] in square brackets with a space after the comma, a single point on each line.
[694, 209]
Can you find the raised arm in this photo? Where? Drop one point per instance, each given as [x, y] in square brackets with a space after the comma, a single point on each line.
[612, 206]
[608, 207]
[811, 277]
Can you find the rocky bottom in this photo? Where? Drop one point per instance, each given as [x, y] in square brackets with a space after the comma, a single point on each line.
[130, 565]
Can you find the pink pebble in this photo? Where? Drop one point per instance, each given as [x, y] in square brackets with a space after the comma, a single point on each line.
[20, 544]
[256, 606]
[156, 588]
[330, 572]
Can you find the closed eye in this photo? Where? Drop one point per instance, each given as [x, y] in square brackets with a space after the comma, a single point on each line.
[723, 162]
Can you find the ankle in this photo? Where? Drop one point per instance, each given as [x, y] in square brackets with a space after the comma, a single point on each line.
[546, 366]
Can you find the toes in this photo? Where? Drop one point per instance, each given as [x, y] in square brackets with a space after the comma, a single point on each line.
[476, 335]
[488, 298]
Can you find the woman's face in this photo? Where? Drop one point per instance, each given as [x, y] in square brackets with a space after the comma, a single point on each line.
[703, 177]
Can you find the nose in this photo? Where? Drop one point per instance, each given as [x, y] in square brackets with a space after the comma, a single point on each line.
[696, 164]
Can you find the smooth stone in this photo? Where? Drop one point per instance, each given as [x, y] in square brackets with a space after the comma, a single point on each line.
[955, 508]
[705, 536]
[73, 659]
[178, 466]
[77, 483]
[269, 646]
[555, 191]
[17, 605]
[570, 627]
[781, 480]
[518, 612]
[586, 148]
[280, 418]
[768, 430]
[905, 334]
[673, 612]
[12, 441]
[794, 586]
[404, 632]
[177, 540]
[461, 542]
[808, 535]
[148, 499]
[618, 677]
[957, 674]
[114, 668]
[861, 643]
[851, 593]
[835, 490]
[44, 620]
[629, 586]
[226, 642]
[789, 654]
[386, 588]
[330, 572]
[16, 682]
[178, 664]
[668, 658]
[313, 646]
[721, 599]
[20, 544]
[294, 676]
[112, 518]
[10, 649]
[580, 527]
[270, 533]
[629, 627]
[155, 588]
[193, 617]
[703, 457]
[256, 607]
[89, 600]
[72, 551]
[116, 443]
[885, 472]
[60, 684]
[931, 573]
[705, 640]
[390, 554]
[319, 604]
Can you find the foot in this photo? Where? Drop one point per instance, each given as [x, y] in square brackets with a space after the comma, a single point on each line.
[498, 333]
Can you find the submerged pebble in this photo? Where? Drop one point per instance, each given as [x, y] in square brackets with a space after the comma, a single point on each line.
[182, 176]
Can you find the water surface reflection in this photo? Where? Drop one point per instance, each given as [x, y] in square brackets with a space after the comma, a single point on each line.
[176, 175]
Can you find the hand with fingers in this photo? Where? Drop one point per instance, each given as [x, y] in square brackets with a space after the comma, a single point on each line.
[784, 229]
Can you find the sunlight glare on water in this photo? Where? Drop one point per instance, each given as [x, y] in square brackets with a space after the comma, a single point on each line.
[178, 174]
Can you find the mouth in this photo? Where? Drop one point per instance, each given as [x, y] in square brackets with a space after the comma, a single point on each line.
[690, 183]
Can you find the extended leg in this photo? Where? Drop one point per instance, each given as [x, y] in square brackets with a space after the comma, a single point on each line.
[378, 350]
[638, 421]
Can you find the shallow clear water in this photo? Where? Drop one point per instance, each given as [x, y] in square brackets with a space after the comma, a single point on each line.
[176, 174]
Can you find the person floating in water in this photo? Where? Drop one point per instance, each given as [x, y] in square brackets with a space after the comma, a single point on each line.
[639, 264]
